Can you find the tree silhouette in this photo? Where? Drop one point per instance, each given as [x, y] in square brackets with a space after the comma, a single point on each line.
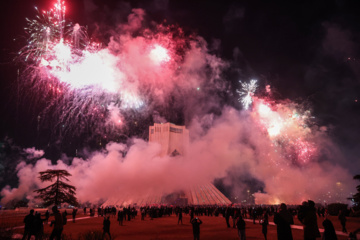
[58, 192]
[356, 197]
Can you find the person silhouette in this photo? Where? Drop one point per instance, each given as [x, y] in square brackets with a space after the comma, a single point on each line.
[241, 228]
[58, 224]
[29, 225]
[264, 225]
[74, 211]
[38, 230]
[106, 227]
[47, 215]
[311, 229]
[342, 219]
[180, 217]
[196, 228]
[283, 219]
[329, 230]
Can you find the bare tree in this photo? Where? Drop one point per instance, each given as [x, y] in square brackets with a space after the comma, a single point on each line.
[58, 192]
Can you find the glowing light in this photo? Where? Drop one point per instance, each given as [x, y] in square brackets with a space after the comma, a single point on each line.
[159, 55]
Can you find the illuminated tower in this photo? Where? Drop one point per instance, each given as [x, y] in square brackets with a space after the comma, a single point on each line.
[174, 140]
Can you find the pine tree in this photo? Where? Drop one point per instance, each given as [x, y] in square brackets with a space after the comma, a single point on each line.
[58, 192]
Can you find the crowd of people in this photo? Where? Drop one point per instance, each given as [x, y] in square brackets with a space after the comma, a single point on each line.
[283, 217]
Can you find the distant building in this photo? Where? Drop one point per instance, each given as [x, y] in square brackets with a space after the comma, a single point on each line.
[174, 140]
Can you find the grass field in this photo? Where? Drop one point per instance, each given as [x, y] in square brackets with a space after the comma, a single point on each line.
[163, 228]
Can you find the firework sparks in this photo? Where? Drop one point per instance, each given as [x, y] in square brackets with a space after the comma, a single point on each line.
[247, 93]
[131, 73]
[287, 126]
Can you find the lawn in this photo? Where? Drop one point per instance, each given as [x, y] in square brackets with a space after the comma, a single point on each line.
[166, 227]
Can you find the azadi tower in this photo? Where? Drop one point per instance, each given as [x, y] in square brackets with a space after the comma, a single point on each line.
[174, 140]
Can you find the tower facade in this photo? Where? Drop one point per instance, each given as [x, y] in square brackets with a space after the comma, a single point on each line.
[174, 140]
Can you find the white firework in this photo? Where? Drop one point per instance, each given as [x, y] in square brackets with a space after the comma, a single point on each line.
[247, 92]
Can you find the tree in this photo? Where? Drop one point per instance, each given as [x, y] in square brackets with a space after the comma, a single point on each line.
[58, 192]
[356, 197]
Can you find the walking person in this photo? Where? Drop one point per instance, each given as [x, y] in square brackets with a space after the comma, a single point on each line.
[264, 225]
[196, 228]
[227, 216]
[241, 228]
[106, 227]
[180, 217]
[342, 219]
[29, 225]
[283, 219]
[58, 224]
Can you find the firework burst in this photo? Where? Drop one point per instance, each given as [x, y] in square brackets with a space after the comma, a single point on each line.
[247, 92]
[288, 127]
[90, 86]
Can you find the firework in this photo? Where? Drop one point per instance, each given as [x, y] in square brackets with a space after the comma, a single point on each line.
[247, 93]
[159, 55]
[287, 125]
[90, 86]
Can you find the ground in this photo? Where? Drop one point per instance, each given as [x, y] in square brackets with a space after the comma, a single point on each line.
[166, 227]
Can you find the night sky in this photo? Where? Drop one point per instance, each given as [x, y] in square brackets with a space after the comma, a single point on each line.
[306, 50]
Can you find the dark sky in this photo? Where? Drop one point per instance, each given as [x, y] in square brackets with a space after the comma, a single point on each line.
[307, 50]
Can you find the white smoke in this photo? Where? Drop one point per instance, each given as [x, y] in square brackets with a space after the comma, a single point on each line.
[232, 141]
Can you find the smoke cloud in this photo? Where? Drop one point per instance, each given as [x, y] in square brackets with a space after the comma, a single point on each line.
[231, 141]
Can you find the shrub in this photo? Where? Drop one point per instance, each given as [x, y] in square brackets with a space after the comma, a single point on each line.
[334, 208]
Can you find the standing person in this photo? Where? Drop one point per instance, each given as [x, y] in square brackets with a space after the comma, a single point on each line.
[283, 219]
[264, 225]
[121, 217]
[235, 216]
[106, 226]
[241, 228]
[342, 219]
[29, 225]
[196, 228]
[38, 230]
[64, 214]
[254, 215]
[329, 230]
[74, 214]
[58, 224]
[191, 214]
[311, 229]
[47, 215]
[227, 216]
[180, 217]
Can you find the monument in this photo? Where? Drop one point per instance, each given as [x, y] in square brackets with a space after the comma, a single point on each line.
[174, 141]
